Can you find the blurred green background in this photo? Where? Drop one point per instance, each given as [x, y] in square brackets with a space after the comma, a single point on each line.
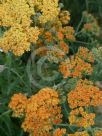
[77, 6]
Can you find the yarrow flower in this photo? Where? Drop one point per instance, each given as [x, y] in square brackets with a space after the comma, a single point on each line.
[64, 17]
[42, 111]
[49, 9]
[18, 40]
[68, 32]
[13, 12]
[59, 132]
[85, 94]
[81, 118]
[18, 104]
[82, 133]
[17, 17]
[85, 54]
[78, 65]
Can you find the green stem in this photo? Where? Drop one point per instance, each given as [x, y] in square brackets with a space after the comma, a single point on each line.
[5, 113]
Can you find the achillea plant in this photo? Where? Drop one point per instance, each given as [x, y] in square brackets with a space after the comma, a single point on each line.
[81, 118]
[60, 100]
[92, 96]
[78, 65]
[42, 111]
[59, 132]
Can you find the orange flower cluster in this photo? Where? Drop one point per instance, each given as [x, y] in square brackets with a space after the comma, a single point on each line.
[55, 37]
[65, 67]
[59, 132]
[48, 36]
[85, 94]
[18, 104]
[56, 47]
[68, 33]
[77, 66]
[83, 133]
[81, 118]
[64, 47]
[41, 113]
[98, 132]
[85, 54]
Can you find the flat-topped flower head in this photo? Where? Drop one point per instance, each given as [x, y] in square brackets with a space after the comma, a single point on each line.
[85, 94]
[18, 40]
[81, 118]
[42, 112]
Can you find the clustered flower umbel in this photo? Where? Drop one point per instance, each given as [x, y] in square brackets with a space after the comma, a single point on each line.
[54, 38]
[78, 65]
[41, 111]
[16, 16]
[84, 95]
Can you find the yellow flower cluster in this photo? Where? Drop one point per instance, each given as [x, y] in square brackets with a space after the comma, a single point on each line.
[18, 104]
[19, 12]
[77, 66]
[14, 12]
[81, 118]
[17, 39]
[16, 15]
[49, 10]
[83, 133]
[59, 132]
[85, 94]
[41, 113]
